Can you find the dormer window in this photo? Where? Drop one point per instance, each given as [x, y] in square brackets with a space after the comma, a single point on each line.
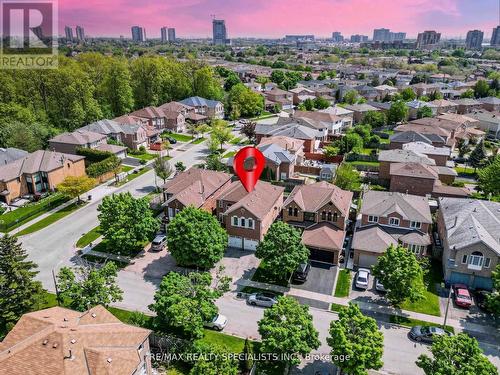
[323, 215]
[415, 224]
[290, 211]
[394, 221]
[372, 219]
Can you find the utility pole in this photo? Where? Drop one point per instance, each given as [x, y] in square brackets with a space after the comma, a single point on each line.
[55, 285]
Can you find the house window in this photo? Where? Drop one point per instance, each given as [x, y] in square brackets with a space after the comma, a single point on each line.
[220, 204]
[487, 262]
[235, 221]
[415, 224]
[329, 216]
[373, 219]
[394, 221]
[251, 223]
[335, 216]
[295, 212]
[242, 222]
[416, 249]
[464, 259]
[476, 260]
[290, 211]
[323, 215]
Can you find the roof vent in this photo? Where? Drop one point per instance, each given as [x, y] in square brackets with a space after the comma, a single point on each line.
[73, 341]
[45, 342]
[65, 319]
[55, 345]
[93, 315]
[109, 360]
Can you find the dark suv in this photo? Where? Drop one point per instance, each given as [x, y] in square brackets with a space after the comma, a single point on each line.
[300, 274]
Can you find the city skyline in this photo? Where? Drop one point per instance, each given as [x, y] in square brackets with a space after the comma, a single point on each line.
[192, 18]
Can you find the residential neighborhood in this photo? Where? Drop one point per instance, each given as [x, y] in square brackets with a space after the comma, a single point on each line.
[254, 202]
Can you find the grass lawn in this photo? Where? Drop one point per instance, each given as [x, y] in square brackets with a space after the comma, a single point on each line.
[50, 219]
[132, 176]
[468, 171]
[88, 237]
[20, 216]
[385, 141]
[343, 284]
[336, 307]
[199, 140]
[367, 151]
[229, 154]
[262, 275]
[145, 156]
[430, 303]
[181, 137]
[235, 140]
[126, 168]
[370, 163]
[409, 322]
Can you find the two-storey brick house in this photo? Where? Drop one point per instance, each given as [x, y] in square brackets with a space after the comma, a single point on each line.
[321, 211]
[387, 219]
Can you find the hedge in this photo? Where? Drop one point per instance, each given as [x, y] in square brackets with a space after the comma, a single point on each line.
[107, 165]
[93, 156]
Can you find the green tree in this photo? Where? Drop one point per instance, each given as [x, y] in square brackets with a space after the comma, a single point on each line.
[186, 302]
[375, 119]
[248, 130]
[162, 168]
[206, 84]
[231, 80]
[456, 355]
[347, 177]
[408, 94]
[278, 262]
[75, 186]
[249, 103]
[213, 360]
[126, 222]
[221, 133]
[179, 166]
[478, 154]
[321, 103]
[357, 337]
[481, 89]
[195, 238]
[84, 287]
[398, 112]
[401, 274]
[308, 104]
[287, 329]
[489, 177]
[424, 111]
[19, 292]
[118, 88]
[278, 76]
[468, 94]
[351, 97]
[350, 142]
[147, 78]
[463, 147]
[493, 301]
[247, 362]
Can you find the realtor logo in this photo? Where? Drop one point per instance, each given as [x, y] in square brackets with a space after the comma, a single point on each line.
[29, 34]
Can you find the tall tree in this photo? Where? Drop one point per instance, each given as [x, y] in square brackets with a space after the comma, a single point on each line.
[162, 168]
[493, 300]
[456, 355]
[287, 330]
[19, 292]
[186, 302]
[126, 221]
[221, 133]
[398, 112]
[489, 177]
[481, 89]
[213, 360]
[424, 111]
[75, 186]
[478, 154]
[86, 287]
[356, 337]
[249, 103]
[408, 94]
[346, 177]
[206, 84]
[401, 274]
[375, 119]
[118, 88]
[195, 238]
[248, 130]
[278, 262]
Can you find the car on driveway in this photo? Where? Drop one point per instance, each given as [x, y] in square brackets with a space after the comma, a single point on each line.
[379, 286]
[300, 274]
[218, 322]
[171, 140]
[159, 242]
[426, 334]
[461, 296]
[362, 278]
[481, 296]
[262, 299]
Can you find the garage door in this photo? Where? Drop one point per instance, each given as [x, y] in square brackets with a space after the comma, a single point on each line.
[250, 244]
[366, 260]
[483, 283]
[459, 278]
[235, 242]
[321, 256]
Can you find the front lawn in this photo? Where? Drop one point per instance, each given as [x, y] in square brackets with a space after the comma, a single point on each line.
[262, 275]
[45, 222]
[343, 284]
[466, 171]
[126, 168]
[181, 137]
[144, 156]
[336, 307]
[367, 163]
[89, 237]
[199, 140]
[229, 154]
[430, 303]
[133, 176]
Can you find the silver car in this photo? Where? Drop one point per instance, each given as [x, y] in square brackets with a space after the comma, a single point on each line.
[159, 243]
[379, 286]
[362, 278]
[218, 322]
[262, 299]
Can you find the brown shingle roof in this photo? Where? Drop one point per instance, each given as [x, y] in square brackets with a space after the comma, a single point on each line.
[413, 170]
[318, 116]
[323, 235]
[78, 137]
[287, 143]
[61, 341]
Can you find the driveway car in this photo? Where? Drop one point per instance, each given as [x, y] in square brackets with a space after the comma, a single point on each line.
[362, 278]
[301, 273]
[481, 296]
[426, 333]
[171, 140]
[462, 296]
[379, 286]
[159, 243]
[262, 299]
[218, 322]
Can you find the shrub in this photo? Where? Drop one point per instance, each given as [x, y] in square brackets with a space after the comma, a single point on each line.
[93, 156]
[107, 165]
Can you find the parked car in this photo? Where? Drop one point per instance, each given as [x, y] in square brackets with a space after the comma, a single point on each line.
[426, 333]
[379, 286]
[481, 297]
[218, 322]
[159, 242]
[302, 271]
[171, 140]
[462, 296]
[262, 299]
[362, 278]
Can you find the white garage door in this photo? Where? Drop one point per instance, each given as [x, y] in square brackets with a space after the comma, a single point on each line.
[235, 242]
[366, 260]
[249, 244]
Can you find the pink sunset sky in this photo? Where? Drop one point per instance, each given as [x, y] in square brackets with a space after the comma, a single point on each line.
[275, 18]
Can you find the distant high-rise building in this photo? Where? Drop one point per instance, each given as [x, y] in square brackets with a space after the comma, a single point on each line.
[219, 32]
[474, 39]
[171, 34]
[167, 34]
[299, 38]
[337, 36]
[495, 37]
[386, 35]
[164, 34]
[138, 34]
[68, 31]
[80, 33]
[356, 38]
[398, 36]
[428, 39]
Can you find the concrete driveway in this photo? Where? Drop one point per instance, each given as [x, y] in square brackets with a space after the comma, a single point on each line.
[132, 162]
[321, 279]
[238, 264]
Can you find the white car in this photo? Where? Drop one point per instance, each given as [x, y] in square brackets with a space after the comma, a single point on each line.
[379, 286]
[362, 278]
[262, 299]
[218, 322]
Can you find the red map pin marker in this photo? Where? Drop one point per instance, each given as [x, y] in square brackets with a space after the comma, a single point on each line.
[249, 177]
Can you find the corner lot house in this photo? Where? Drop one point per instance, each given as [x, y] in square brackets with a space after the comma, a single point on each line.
[59, 341]
[248, 216]
[469, 230]
[205, 107]
[10, 154]
[37, 172]
[70, 142]
[390, 219]
[321, 211]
